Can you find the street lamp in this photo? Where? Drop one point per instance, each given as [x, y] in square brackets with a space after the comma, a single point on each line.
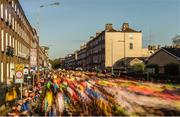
[112, 53]
[52, 4]
[112, 56]
[42, 6]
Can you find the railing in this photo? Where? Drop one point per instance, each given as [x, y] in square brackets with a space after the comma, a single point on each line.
[160, 78]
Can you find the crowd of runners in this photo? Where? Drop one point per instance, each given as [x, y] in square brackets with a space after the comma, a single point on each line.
[72, 93]
[61, 93]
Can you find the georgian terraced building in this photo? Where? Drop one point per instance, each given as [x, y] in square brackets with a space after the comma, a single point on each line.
[103, 50]
[81, 56]
[17, 37]
[110, 45]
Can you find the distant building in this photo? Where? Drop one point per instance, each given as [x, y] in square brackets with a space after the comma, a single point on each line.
[165, 56]
[45, 56]
[146, 52]
[107, 47]
[71, 61]
[81, 56]
[62, 63]
[111, 45]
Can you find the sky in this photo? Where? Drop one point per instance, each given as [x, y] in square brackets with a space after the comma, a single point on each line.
[65, 27]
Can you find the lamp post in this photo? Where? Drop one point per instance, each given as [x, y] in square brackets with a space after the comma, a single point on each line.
[112, 54]
[112, 57]
[124, 51]
[38, 28]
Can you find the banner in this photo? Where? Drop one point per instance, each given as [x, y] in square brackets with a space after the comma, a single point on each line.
[33, 57]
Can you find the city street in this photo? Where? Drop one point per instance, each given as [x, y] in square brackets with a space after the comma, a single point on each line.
[89, 58]
[87, 93]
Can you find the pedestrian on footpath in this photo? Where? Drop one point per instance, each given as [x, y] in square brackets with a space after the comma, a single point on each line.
[11, 96]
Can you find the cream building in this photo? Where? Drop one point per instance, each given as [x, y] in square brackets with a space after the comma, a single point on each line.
[120, 44]
[108, 46]
[112, 45]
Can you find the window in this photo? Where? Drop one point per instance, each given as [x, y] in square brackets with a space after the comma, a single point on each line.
[9, 19]
[131, 46]
[7, 70]
[16, 47]
[13, 42]
[2, 71]
[131, 36]
[18, 12]
[11, 71]
[13, 23]
[2, 11]
[15, 26]
[6, 15]
[6, 39]
[15, 7]
[10, 40]
[13, 3]
[2, 37]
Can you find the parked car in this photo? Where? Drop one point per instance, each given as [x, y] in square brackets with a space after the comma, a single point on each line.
[79, 69]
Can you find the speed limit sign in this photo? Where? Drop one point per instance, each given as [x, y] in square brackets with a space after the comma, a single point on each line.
[19, 74]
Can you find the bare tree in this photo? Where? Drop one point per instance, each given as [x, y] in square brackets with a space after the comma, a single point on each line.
[176, 40]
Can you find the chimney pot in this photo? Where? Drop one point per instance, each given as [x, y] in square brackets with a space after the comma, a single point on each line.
[109, 27]
[97, 34]
[91, 37]
[125, 26]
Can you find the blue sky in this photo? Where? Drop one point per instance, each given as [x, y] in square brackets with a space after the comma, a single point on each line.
[64, 28]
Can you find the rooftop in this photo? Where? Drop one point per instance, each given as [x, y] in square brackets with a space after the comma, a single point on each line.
[173, 51]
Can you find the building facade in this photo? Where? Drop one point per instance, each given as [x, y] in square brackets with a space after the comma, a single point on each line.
[81, 57]
[165, 56]
[70, 61]
[17, 37]
[104, 49]
[44, 56]
[110, 45]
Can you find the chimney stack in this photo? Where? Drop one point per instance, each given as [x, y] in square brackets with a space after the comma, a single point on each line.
[91, 37]
[97, 34]
[109, 27]
[125, 26]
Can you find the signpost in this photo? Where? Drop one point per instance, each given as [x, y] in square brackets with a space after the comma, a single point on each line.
[19, 72]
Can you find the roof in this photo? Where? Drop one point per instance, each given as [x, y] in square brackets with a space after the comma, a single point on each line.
[128, 60]
[129, 30]
[174, 52]
[112, 30]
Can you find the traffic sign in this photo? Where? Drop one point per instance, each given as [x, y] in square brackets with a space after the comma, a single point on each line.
[26, 71]
[19, 81]
[19, 72]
